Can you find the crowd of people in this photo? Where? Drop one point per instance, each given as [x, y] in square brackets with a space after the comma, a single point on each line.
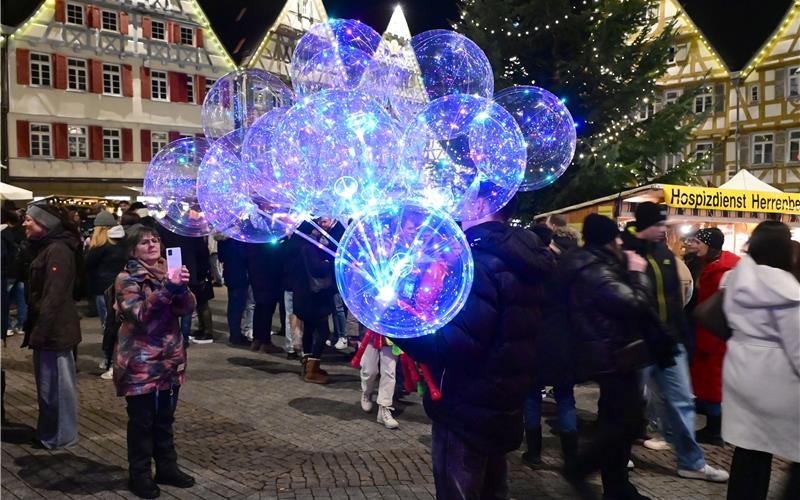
[549, 307]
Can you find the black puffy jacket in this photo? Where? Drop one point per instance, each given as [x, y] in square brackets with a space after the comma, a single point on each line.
[483, 359]
[102, 265]
[609, 308]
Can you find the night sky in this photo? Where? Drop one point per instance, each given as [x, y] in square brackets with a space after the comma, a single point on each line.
[422, 15]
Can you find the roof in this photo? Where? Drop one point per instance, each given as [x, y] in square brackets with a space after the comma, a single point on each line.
[745, 181]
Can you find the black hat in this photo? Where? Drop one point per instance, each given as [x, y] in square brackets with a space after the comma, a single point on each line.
[599, 230]
[648, 214]
[711, 236]
[544, 233]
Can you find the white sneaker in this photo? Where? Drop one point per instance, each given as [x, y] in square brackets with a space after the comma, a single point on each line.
[341, 344]
[108, 374]
[707, 473]
[656, 444]
[11, 332]
[366, 402]
[102, 365]
[385, 417]
[328, 343]
[248, 334]
[630, 464]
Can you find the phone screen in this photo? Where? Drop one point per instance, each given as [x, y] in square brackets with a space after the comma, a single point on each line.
[174, 261]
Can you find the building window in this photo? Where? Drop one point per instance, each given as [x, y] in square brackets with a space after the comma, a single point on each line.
[158, 85]
[673, 50]
[190, 89]
[158, 30]
[112, 148]
[110, 21]
[754, 94]
[704, 101]
[794, 81]
[672, 160]
[77, 142]
[762, 149]
[157, 141]
[112, 80]
[671, 96]
[209, 83]
[74, 14]
[702, 153]
[187, 36]
[40, 140]
[40, 69]
[76, 74]
[794, 146]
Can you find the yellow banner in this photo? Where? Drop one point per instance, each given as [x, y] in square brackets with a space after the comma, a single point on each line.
[731, 199]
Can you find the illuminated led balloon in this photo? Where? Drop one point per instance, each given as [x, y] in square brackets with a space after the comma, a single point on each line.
[239, 98]
[404, 271]
[231, 206]
[548, 129]
[462, 146]
[170, 187]
[451, 63]
[258, 153]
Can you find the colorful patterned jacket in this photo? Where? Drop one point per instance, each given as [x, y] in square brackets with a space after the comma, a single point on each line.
[150, 354]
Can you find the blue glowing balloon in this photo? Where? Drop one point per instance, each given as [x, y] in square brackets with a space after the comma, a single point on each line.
[258, 154]
[239, 98]
[228, 201]
[404, 270]
[460, 148]
[548, 129]
[170, 187]
[451, 63]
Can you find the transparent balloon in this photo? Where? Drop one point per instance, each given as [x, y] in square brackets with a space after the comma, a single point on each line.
[231, 206]
[258, 153]
[170, 187]
[548, 129]
[404, 270]
[239, 98]
[459, 149]
[451, 63]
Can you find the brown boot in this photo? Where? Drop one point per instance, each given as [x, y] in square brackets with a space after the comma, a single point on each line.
[303, 365]
[312, 373]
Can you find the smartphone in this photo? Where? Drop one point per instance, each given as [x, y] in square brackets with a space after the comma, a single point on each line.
[174, 261]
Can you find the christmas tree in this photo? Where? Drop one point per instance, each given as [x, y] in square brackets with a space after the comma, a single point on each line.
[602, 58]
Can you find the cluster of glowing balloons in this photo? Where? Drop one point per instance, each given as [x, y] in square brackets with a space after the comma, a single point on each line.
[398, 139]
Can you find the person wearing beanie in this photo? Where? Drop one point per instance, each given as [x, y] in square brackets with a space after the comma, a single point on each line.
[104, 219]
[709, 351]
[612, 327]
[53, 329]
[668, 380]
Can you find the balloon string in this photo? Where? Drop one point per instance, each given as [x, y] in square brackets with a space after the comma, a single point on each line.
[324, 232]
[316, 243]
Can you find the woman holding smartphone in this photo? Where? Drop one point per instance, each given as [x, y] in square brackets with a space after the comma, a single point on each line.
[150, 361]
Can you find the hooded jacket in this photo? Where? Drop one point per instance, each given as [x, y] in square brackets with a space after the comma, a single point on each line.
[103, 264]
[564, 239]
[484, 358]
[150, 354]
[53, 323]
[761, 373]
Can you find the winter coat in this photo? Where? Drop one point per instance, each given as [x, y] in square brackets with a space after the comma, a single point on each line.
[709, 351]
[564, 240]
[194, 254]
[103, 264]
[233, 255]
[9, 253]
[150, 354]
[554, 361]
[761, 372]
[52, 323]
[292, 268]
[483, 360]
[263, 267]
[308, 304]
[609, 308]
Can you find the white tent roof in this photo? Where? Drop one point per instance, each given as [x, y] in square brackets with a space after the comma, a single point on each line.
[745, 181]
[9, 192]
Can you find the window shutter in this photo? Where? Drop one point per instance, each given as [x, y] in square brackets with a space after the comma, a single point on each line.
[200, 88]
[183, 87]
[744, 150]
[96, 76]
[23, 67]
[177, 87]
[144, 80]
[719, 157]
[95, 142]
[94, 17]
[23, 139]
[779, 155]
[171, 30]
[174, 135]
[780, 83]
[60, 70]
[127, 80]
[719, 98]
[61, 11]
[127, 144]
[123, 23]
[60, 139]
[144, 139]
[198, 37]
[147, 27]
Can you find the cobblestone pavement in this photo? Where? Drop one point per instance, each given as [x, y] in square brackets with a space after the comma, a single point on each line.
[248, 427]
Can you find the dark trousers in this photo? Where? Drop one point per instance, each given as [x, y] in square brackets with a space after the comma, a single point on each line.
[315, 332]
[750, 475]
[263, 313]
[620, 417]
[461, 472]
[237, 303]
[150, 435]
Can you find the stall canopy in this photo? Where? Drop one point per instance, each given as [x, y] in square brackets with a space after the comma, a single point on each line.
[745, 181]
[9, 192]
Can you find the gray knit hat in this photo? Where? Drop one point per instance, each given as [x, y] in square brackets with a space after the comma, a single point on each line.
[104, 218]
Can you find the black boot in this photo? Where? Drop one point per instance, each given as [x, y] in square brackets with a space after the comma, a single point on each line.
[533, 437]
[143, 486]
[569, 447]
[172, 475]
[141, 416]
[167, 470]
[711, 433]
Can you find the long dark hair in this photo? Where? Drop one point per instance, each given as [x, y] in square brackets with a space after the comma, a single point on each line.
[771, 245]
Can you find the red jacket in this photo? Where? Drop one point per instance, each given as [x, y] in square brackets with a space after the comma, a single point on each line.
[709, 352]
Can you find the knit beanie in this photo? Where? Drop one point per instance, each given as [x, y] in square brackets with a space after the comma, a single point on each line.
[104, 218]
[43, 216]
[599, 230]
[712, 237]
[649, 214]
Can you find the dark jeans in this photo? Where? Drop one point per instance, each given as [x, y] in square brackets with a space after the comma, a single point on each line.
[237, 302]
[750, 474]
[150, 434]
[620, 418]
[262, 316]
[315, 332]
[461, 472]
